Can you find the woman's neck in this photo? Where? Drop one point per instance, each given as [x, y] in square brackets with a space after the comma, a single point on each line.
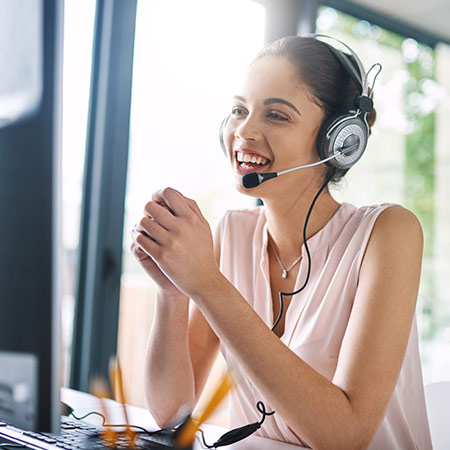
[286, 218]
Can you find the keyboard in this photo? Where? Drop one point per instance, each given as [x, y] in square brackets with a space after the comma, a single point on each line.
[76, 434]
[73, 434]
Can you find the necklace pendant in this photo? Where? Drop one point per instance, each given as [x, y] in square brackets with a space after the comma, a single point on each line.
[284, 274]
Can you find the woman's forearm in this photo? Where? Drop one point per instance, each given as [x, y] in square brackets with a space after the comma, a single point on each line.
[316, 409]
[169, 379]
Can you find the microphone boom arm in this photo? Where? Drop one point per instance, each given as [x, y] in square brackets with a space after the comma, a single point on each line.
[307, 165]
[253, 179]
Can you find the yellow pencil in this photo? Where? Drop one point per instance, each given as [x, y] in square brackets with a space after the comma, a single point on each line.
[187, 434]
[121, 394]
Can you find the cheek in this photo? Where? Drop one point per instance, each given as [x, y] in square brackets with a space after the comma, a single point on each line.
[296, 147]
[306, 144]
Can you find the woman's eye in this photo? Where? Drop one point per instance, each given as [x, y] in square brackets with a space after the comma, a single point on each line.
[275, 116]
[238, 111]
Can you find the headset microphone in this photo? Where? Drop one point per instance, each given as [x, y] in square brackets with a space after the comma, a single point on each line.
[253, 179]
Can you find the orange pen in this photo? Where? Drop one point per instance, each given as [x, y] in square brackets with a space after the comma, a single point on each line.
[115, 374]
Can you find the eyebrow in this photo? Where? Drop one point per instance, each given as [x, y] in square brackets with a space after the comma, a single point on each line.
[271, 101]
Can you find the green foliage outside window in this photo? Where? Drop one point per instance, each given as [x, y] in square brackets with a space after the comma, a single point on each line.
[419, 141]
[419, 172]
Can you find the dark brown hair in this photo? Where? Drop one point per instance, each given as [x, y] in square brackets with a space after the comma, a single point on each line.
[325, 78]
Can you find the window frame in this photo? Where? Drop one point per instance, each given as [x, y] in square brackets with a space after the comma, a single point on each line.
[101, 231]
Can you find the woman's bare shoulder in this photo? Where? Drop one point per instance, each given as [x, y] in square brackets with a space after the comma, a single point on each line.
[397, 224]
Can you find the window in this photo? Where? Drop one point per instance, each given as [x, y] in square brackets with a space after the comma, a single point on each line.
[407, 160]
[185, 70]
[78, 15]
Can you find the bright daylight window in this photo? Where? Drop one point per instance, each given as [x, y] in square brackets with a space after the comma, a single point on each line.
[185, 72]
[407, 160]
[78, 15]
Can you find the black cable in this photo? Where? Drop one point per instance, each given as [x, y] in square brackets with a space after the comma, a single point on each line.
[240, 433]
[104, 424]
[237, 434]
[308, 254]
[89, 414]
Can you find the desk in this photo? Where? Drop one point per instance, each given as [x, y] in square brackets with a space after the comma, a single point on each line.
[83, 403]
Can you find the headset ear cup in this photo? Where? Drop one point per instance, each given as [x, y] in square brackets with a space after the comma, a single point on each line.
[338, 132]
[321, 137]
[222, 126]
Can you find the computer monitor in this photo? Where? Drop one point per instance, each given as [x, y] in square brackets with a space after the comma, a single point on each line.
[30, 263]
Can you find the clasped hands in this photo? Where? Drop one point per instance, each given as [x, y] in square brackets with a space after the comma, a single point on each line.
[173, 243]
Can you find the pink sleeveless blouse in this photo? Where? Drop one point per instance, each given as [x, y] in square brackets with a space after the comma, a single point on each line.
[317, 318]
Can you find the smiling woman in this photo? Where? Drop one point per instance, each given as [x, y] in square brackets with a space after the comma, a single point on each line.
[311, 301]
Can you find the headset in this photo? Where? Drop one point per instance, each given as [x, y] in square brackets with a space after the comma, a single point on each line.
[342, 138]
[351, 129]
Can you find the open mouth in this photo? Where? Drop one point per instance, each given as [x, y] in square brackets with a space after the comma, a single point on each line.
[251, 161]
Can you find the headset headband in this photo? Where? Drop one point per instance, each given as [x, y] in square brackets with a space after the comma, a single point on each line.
[361, 79]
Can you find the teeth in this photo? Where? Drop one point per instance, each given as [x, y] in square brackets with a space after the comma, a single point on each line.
[245, 157]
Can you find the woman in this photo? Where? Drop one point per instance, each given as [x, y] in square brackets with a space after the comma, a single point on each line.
[341, 366]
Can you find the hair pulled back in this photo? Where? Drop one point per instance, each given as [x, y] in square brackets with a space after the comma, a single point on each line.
[324, 77]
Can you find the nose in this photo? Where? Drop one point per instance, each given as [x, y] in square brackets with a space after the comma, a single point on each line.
[248, 130]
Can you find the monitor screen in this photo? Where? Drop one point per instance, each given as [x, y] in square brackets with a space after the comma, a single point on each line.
[30, 263]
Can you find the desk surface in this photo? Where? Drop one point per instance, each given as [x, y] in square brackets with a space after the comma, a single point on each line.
[83, 403]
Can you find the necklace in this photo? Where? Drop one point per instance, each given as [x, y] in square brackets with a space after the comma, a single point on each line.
[284, 273]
